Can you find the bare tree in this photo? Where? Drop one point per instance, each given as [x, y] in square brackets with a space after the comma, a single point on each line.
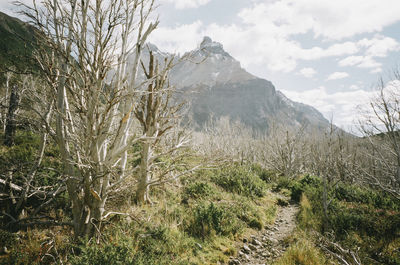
[5, 91]
[224, 139]
[18, 179]
[380, 126]
[159, 115]
[284, 150]
[83, 42]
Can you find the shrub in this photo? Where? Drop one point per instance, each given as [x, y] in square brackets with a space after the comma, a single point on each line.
[152, 245]
[282, 183]
[7, 239]
[308, 183]
[262, 173]
[198, 190]
[353, 193]
[249, 213]
[240, 180]
[213, 219]
[110, 253]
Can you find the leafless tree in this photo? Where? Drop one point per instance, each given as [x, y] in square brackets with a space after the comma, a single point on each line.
[159, 116]
[380, 126]
[83, 42]
[284, 150]
[223, 139]
[18, 181]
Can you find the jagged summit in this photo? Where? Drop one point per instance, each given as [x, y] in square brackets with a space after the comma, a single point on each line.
[215, 66]
[208, 46]
[206, 40]
[216, 85]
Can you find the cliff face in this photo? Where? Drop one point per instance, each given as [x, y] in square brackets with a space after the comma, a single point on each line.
[216, 85]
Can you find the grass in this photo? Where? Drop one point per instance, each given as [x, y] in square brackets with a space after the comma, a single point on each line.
[302, 252]
[198, 220]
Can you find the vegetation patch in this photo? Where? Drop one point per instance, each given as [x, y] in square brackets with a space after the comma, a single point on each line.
[302, 252]
[240, 180]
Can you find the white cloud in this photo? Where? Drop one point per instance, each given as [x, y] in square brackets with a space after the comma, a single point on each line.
[10, 8]
[376, 70]
[337, 75]
[379, 46]
[184, 4]
[360, 61]
[264, 36]
[329, 19]
[307, 72]
[354, 87]
[179, 39]
[341, 106]
[351, 60]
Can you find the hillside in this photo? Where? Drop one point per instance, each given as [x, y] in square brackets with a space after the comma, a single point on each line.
[16, 45]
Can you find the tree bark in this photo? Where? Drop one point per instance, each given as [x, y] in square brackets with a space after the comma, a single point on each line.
[144, 177]
[11, 123]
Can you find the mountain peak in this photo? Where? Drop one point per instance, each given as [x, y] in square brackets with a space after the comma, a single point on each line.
[213, 47]
[206, 41]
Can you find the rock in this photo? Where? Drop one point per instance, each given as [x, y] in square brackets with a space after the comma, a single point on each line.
[252, 247]
[256, 242]
[234, 262]
[273, 241]
[241, 253]
[246, 257]
[246, 249]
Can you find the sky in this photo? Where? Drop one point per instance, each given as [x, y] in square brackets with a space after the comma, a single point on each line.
[324, 53]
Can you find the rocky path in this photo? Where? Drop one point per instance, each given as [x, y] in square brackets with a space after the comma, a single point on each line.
[269, 244]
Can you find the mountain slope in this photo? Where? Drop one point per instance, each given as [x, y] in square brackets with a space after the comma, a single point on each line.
[17, 40]
[216, 85]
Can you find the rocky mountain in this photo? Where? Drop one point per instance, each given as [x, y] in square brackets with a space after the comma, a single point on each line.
[216, 85]
[213, 82]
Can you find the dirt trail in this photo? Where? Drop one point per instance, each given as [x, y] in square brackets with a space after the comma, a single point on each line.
[268, 245]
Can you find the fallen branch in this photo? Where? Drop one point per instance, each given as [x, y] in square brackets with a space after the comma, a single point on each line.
[344, 256]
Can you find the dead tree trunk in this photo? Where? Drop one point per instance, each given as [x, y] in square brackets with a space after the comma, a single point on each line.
[11, 122]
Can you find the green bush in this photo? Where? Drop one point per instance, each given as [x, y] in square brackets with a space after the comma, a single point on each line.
[309, 183]
[264, 174]
[240, 180]
[7, 239]
[212, 219]
[152, 245]
[247, 212]
[108, 253]
[352, 193]
[198, 190]
[359, 217]
[282, 183]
